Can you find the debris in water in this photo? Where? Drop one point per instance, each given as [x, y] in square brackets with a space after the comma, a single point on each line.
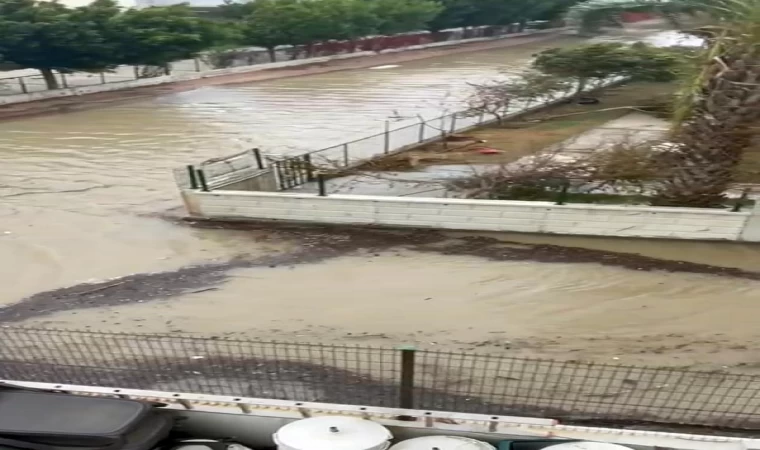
[489, 151]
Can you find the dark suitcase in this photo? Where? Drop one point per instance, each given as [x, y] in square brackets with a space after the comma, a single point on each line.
[33, 420]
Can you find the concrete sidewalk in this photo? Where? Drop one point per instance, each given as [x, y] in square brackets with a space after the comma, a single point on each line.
[634, 128]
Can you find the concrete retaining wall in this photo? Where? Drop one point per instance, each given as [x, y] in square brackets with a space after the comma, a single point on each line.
[458, 214]
[83, 90]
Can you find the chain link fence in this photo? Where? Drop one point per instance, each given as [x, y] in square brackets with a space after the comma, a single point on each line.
[421, 379]
[394, 140]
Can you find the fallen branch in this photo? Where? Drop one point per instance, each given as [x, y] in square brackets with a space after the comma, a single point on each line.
[100, 288]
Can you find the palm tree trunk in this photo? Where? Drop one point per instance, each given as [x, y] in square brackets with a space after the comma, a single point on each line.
[711, 142]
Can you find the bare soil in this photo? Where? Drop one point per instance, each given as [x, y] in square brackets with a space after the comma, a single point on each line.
[104, 99]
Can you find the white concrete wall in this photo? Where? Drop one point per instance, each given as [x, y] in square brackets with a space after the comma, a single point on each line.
[82, 90]
[751, 232]
[459, 214]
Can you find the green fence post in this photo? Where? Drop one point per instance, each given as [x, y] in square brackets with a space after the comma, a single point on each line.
[309, 167]
[387, 147]
[454, 123]
[406, 386]
[740, 201]
[193, 179]
[345, 155]
[23, 85]
[322, 187]
[259, 160]
[202, 180]
[562, 195]
[422, 131]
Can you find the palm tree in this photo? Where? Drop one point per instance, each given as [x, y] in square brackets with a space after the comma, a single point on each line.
[719, 105]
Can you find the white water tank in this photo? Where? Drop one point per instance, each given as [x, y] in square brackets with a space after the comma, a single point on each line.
[442, 443]
[586, 445]
[333, 433]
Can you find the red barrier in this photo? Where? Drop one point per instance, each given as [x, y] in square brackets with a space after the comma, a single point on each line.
[379, 43]
[632, 17]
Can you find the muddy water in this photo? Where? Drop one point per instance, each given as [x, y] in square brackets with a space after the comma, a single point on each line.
[463, 302]
[73, 186]
[80, 193]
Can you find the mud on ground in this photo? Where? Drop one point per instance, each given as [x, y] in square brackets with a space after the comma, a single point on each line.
[317, 243]
[493, 293]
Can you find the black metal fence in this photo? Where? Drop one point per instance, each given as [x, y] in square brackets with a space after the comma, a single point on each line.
[293, 171]
[421, 379]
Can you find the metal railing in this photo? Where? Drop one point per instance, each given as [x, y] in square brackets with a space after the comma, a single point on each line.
[420, 379]
[219, 172]
[294, 171]
[360, 151]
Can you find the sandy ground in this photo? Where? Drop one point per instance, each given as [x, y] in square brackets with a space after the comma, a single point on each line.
[68, 104]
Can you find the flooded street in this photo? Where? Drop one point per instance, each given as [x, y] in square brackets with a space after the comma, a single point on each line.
[74, 185]
[83, 195]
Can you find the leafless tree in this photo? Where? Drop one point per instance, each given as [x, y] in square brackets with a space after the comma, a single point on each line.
[495, 97]
[623, 169]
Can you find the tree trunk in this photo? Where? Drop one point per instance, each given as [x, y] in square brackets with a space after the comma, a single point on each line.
[712, 141]
[310, 50]
[272, 54]
[50, 80]
[582, 85]
[352, 46]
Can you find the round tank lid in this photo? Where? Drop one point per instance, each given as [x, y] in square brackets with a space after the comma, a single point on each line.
[586, 445]
[442, 443]
[333, 433]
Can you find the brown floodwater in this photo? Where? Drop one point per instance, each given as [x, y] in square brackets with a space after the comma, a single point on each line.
[76, 187]
[83, 195]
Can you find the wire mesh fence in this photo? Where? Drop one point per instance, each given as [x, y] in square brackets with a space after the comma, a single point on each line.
[36, 83]
[307, 372]
[407, 136]
[349, 155]
[421, 379]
